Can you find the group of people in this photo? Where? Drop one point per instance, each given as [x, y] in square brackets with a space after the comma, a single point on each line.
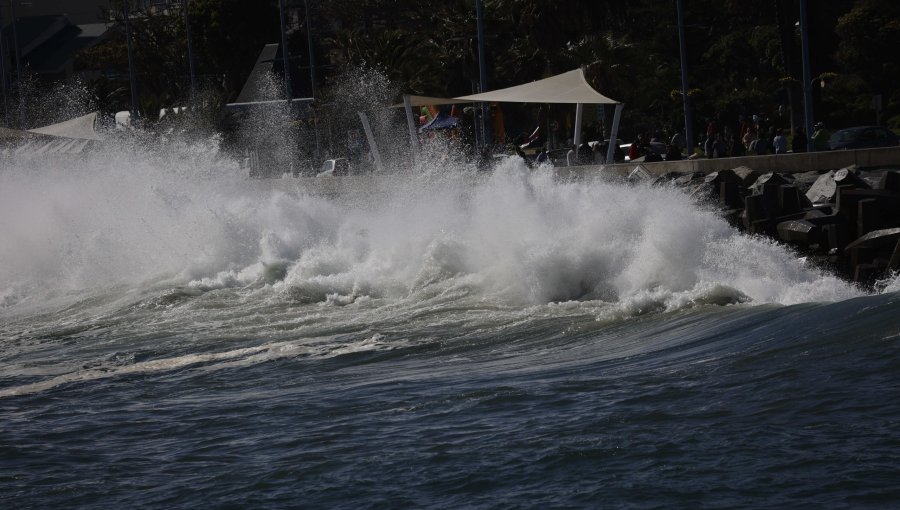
[755, 138]
[752, 136]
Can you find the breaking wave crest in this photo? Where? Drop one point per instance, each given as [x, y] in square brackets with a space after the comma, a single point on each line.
[517, 237]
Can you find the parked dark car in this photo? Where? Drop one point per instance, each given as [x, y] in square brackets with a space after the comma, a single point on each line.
[863, 137]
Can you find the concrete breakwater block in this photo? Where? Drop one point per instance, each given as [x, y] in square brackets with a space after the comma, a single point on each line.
[640, 174]
[871, 255]
[799, 231]
[890, 181]
[846, 219]
[823, 190]
[747, 175]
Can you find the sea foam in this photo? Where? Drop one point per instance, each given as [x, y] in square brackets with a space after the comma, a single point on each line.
[516, 236]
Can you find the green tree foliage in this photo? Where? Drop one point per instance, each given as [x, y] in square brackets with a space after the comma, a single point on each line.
[227, 36]
[869, 34]
[424, 47]
[743, 57]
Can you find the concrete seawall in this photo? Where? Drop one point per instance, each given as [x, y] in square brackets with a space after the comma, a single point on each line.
[781, 163]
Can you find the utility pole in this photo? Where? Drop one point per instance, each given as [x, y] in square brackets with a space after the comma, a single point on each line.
[309, 45]
[807, 85]
[485, 135]
[18, 54]
[284, 54]
[3, 79]
[134, 110]
[190, 48]
[312, 72]
[688, 117]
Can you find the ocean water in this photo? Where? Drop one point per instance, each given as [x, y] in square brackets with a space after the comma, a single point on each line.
[173, 335]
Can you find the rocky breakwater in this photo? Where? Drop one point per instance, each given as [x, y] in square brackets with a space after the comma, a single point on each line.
[846, 220]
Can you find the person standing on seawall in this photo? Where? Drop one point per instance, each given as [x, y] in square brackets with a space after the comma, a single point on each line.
[820, 137]
[637, 147]
[678, 141]
[780, 142]
[719, 147]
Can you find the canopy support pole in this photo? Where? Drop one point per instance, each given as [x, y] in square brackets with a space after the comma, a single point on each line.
[613, 136]
[411, 124]
[371, 138]
[579, 114]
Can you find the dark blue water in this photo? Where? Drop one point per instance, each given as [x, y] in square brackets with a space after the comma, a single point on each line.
[714, 407]
[174, 336]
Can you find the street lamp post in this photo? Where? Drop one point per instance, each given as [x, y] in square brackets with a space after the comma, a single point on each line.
[3, 79]
[688, 121]
[485, 134]
[312, 71]
[284, 54]
[190, 48]
[807, 85]
[134, 110]
[309, 46]
[18, 55]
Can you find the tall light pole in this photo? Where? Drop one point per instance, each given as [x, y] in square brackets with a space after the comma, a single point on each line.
[807, 86]
[312, 71]
[18, 54]
[134, 110]
[3, 78]
[485, 134]
[309, 46]
[190, 48]
[688, 117]
[284, 54]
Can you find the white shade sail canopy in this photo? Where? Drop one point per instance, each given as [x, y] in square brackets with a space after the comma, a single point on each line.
[81, 128]
[569, 88]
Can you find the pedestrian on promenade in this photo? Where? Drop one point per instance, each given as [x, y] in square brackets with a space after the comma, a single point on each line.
[720, 148]
[760, 146]
[748, 138]
[780, 142]
[678, 142]
[820, 137]
[708, 145]
[637, 147]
